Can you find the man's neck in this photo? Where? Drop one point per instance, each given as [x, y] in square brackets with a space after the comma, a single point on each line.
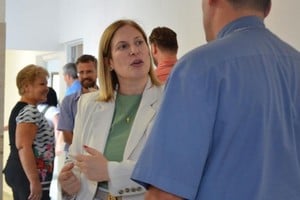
[227, 14]
[90, 89]
[166, 58]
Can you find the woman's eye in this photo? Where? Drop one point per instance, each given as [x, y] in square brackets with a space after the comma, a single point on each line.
[139, 42]
[122, 46]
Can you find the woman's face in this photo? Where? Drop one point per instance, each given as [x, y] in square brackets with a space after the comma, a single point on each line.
[37, 91]
[130, 54]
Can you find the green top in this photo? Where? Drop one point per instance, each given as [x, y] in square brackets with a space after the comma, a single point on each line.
[126, 107]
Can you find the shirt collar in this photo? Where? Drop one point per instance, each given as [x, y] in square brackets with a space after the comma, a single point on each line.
[78, 94]
[242, 23]
[166, 63]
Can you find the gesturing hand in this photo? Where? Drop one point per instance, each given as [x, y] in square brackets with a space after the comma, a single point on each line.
[68, 181]
[94, 165]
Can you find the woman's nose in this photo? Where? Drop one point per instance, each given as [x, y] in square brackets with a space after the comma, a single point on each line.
[134, 50]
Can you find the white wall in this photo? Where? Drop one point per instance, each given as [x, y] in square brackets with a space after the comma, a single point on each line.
[284, 21]
[90, 18]
[185, 17]
[48, 24]
[32, 25]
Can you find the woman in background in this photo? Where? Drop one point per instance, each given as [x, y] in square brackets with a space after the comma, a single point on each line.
[51, 111]
[29, 166]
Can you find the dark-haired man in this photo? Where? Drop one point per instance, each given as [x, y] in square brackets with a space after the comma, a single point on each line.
[164, 47]
[229, 124]
[86, 66]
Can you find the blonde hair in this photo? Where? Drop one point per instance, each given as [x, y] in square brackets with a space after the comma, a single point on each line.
[28, 75]
[108, 80]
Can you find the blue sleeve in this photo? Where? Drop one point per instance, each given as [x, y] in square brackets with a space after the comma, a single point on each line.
[66, 119]
[74, 88]
[175, 155]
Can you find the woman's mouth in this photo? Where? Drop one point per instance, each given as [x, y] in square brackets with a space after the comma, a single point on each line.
[137, 63]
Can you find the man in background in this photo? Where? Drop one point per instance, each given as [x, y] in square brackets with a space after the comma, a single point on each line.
[229, 125]
[71, 78]
[87, 73]
[164, 47]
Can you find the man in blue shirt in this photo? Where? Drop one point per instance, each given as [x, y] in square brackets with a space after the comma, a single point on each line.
[87, 72]
[229, 124]
[71, 78]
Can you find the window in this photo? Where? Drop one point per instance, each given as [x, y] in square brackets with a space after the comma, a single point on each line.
[74, 50]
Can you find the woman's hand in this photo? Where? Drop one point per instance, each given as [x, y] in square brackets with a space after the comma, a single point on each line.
[36, 191]
[70, 184]
[93, 166]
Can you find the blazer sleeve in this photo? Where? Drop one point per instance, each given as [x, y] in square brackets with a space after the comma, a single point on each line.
[120, 183]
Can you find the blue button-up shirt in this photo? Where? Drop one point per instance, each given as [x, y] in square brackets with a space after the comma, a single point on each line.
[229, 123]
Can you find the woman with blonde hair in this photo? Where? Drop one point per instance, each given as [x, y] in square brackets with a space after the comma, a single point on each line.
[30, 163]
[112, 125]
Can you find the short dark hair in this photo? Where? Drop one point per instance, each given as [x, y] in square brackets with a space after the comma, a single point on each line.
[70, 69]
[51, 97]
[86, 58]
[261, 5]
[165, 38]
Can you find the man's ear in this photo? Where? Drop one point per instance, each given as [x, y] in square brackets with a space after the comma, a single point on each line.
[268, 9]
[153, 48]
[67, 77]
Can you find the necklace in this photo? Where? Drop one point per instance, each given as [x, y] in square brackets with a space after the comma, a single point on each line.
[126, 107]
[127, 119]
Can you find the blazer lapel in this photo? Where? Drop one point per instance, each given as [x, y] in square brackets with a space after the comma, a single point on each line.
[100, 125]
[144, 115]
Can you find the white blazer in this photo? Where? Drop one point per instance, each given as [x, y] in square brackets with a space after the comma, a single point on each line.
[92, 125]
